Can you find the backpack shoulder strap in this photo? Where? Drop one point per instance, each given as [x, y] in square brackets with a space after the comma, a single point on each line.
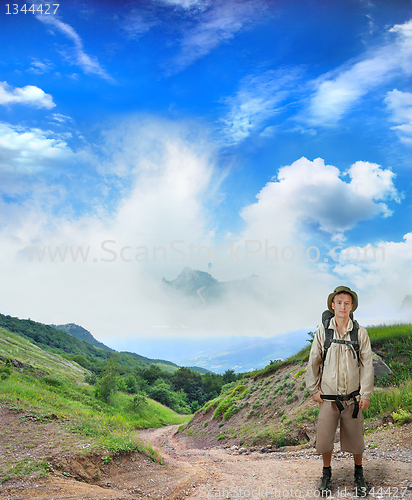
[326, 317]
[354, 337]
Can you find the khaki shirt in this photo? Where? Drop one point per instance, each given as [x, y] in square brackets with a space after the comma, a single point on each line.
[341, 373]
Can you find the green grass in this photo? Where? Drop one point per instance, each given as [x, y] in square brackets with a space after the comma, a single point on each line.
[386, 402]
[47, 387]
[36, 361]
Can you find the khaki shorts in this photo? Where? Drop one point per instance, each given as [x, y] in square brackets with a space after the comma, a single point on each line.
[351, 429]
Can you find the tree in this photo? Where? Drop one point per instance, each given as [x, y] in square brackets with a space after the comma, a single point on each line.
[229, 376]
[107, 384]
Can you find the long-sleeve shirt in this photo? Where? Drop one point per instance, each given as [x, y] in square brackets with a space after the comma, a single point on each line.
[341, 373]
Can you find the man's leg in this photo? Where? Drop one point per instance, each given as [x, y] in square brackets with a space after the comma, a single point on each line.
[351, 431]
[360, 485]
[327, 458]
[325, 437]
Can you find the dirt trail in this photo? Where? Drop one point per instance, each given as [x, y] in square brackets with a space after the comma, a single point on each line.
[194, 473]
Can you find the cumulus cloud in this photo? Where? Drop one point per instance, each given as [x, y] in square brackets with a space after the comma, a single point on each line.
[30, 95]
[27, 150]
[166, 178]
[400, 106]
[337, 92]
[215, 25]
[89, 64]
[167, 181]
[255, 103]
[314, 192]
[380, 278]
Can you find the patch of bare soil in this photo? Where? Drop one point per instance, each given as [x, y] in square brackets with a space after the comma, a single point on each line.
[190, 472]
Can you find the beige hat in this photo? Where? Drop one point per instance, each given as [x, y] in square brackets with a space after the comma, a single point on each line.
[343, 289]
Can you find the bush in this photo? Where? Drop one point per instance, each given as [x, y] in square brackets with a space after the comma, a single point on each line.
[402, 416]
[230, 411]
[106, 386]
[54, 382]
[222, 407]
[90, 378]
[5, 372]
[139, 402]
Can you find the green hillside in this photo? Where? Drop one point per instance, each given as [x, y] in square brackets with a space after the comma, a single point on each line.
[47, 392]
[81, 333]
[87, 355]
[273, 406]
[181, 389]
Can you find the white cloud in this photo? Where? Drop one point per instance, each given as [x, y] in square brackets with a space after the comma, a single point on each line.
[255, 103]
[217, 24]
[337, 92]
[400, 105]
[58, 117]
[167, 178]
[313, 192]
[40, 67]
[89, 64]
[30, 95]
[27, 150]
[187, 4]
[138, 23]
[380, 279]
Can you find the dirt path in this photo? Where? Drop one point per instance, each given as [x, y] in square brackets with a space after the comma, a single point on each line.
[194, 473]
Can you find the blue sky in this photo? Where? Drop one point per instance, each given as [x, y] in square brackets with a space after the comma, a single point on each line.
[251, 123]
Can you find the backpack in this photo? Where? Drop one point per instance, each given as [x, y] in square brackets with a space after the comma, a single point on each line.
[353, 343]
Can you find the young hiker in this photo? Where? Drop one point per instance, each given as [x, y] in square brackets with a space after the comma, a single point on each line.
[340, 378]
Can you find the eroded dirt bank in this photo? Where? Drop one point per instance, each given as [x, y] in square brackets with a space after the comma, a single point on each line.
[192, 473]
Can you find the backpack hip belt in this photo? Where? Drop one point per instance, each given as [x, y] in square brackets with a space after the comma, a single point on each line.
[344, 397]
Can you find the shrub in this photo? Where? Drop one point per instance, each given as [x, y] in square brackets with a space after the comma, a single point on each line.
[230, 411]
[402, 416]
[222, 407]
[299, 373]
[139, 401]
[5, 372]
[90, 378]
[53, 381]
[239, 389]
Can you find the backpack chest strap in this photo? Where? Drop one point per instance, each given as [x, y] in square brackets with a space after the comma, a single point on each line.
[349, 343]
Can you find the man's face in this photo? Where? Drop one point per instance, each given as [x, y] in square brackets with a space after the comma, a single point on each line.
[342, 305]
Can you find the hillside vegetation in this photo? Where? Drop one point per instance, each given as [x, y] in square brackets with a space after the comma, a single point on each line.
[54, 409]
[87, 355]
[272, 406]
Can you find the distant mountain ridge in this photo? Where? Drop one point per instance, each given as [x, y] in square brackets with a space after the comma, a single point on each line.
[82, 334]
[206, 289]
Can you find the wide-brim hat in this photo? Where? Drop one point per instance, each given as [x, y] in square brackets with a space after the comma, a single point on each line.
[343, 289]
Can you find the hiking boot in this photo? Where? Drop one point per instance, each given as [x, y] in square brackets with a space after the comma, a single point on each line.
[326, 482]
[361, 490]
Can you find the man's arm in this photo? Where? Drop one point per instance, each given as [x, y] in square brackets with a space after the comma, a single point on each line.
[313, 371]
[367, 371]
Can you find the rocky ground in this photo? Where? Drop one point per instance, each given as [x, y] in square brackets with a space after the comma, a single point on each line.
[191, 472]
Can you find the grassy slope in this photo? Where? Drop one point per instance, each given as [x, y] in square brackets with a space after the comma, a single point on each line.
[272, 406]
[45, 387]
[59, 342]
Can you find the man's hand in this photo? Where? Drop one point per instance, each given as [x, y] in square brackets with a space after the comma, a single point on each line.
[316, 397]
[363, 404]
